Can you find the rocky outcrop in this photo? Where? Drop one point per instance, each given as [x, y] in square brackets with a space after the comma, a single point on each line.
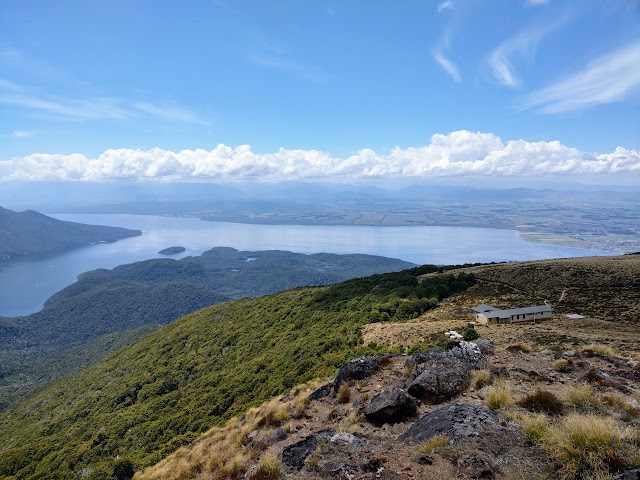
[294, 455]
[357, 369]
[457, 422]
[390, 406]
[441, 382]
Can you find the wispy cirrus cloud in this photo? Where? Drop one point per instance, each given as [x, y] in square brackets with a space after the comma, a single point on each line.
[456, 153]
[447, 5]
[305, 71]
[535, 3]
[20, 134]
[522, 46]
[448, 66]
[607, 79]
[90, 108]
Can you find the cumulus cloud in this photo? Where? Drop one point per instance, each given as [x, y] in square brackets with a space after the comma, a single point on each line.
[457, 153]
[607, 79]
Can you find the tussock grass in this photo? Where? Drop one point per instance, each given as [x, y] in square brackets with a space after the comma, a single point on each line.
[432, 443]
[618, 401]
[499, 396]
[228, 452]
[561, 365]
[535, 427]
[481, 378]
[580, 397]
[270, 467]
[344, 393]
[599, 349]
[520, 347]
[586, 446]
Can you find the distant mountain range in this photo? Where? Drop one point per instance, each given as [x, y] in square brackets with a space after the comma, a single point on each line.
[31, 232]
[91, 316]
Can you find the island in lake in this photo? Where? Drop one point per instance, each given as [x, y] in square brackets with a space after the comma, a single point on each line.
[172, 250]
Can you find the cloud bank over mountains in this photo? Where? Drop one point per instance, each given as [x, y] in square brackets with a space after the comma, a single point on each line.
[455, 154]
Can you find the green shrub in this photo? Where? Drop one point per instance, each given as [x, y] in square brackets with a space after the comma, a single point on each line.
[470, 334]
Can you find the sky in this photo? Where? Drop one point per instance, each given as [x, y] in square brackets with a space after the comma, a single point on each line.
[241, 89]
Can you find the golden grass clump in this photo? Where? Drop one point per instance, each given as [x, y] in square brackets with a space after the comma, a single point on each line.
[618, 401]
[599, 349]
[561, 365]
[481, 378]
[580, 397]
[499, 396]
[269, 468]
[586, 446]
[434, 442]
[344, 393]
[534, 427]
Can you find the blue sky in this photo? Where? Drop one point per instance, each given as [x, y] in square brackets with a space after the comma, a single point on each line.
[412, 88]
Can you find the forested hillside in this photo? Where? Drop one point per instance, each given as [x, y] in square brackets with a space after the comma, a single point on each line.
[162, 392]
[152, 293]
[30, 232]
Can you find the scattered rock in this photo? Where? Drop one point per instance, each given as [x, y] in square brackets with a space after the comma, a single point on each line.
[424, 460]
[500, 371]
[391, 406]
[433, 355]
[456, 422]
[470, 354]
[632, 364]
[320, 393]
[357, 369]
[294, 455]
[486, 346]
[372, 466]
[278, 435]
[546, 352]
[568, 354]
[346, 438]
[441, 383]
[628, 475]
[473, 466]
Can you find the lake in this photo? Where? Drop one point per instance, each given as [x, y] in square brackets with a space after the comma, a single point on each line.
[25, 285]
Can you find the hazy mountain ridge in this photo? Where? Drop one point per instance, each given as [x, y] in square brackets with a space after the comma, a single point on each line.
[31, 232]
[150, 293]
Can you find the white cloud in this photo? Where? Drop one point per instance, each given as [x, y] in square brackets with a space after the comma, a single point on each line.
[522, 45]
[446, 64]
[607, 79]
[457, 153]
[535, 3]
[445, 6]
[88, 108]
[21, 133]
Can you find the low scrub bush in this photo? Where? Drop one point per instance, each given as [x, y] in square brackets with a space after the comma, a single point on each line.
[470, 334]
[520, 347]
[542, 401]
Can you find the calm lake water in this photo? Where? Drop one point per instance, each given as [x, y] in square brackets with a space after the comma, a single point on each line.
[24, 286]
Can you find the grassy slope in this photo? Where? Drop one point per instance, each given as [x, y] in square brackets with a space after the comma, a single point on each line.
[160, 393]
[606, 290]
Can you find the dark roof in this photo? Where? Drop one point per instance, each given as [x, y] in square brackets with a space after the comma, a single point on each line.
[496, 312]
